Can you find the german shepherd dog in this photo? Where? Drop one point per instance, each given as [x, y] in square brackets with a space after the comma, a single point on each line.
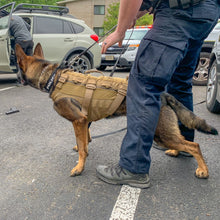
[34, 70]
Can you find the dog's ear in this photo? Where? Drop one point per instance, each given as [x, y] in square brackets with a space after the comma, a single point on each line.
[38, 51]
[21, 56]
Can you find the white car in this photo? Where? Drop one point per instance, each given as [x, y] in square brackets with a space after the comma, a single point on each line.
[200, 76]
[213, 85]
[127, 52]
[62, 37]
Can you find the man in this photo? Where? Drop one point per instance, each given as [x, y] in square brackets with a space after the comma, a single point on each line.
[19, 29]
[167, 57]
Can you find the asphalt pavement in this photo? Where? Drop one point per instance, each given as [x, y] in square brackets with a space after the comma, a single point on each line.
[36, 158]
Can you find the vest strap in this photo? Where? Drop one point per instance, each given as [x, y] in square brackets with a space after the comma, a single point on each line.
[90, 87]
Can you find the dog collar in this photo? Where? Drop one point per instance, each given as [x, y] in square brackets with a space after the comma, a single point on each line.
[42, 73]
[50, 81]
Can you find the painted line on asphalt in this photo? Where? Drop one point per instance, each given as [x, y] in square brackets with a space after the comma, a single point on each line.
[126, 203]
[7, 88]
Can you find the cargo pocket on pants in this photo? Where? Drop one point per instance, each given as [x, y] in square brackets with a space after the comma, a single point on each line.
[157, 62]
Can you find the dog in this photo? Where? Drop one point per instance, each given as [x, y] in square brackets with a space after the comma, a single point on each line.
[37, 72]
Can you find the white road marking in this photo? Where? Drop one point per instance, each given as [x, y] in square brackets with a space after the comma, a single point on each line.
[7, 88]
[126, 203]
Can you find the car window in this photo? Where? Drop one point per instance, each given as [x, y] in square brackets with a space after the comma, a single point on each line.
[5, 13]
[4, 22]
[44, 25]
[77, 28]
[27, 20]
[136, 35]
[68, 29]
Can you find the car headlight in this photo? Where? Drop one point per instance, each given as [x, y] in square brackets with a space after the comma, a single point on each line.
[133, 47]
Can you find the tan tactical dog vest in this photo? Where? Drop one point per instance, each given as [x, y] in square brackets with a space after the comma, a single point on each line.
[98, 96]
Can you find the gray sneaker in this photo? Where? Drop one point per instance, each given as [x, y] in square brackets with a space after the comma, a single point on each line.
[114, 174]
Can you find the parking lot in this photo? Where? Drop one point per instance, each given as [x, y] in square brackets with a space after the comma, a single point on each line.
[36, 158]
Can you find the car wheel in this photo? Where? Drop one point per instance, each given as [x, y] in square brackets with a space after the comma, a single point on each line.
[212, 88]
[201, 73]
[101, 68]
[79, 65]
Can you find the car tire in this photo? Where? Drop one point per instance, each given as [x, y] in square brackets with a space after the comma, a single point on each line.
[80, 65]
[212, 88]
[200, 76]
[101, 68]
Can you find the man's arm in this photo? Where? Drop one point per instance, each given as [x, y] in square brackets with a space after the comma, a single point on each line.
[128, 11]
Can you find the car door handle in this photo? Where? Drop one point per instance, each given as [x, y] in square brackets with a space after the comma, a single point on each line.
[68, 39]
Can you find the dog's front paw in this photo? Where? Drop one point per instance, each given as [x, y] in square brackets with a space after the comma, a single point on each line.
[202, 173]
[76, 171]
[75, 148]
[172, 153]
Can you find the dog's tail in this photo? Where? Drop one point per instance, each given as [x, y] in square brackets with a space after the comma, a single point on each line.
[187, 117]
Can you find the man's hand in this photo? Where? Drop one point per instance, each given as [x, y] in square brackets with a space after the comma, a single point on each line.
[127, 13]
[112, 39]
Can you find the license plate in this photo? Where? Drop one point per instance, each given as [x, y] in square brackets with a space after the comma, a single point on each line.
[109, 57]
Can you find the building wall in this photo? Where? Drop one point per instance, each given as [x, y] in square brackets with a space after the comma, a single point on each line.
[84, 9]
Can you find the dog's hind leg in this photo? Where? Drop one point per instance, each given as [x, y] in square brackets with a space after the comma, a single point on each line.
[172, 153]
[169, 136]
[191, 148]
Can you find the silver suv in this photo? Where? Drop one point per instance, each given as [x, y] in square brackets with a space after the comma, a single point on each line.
[62, 37]
[127, 52]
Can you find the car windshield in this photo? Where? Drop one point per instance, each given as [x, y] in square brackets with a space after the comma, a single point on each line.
[4, 22]
[136, 35]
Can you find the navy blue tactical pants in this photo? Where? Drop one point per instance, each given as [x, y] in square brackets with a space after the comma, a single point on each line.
[166, 59]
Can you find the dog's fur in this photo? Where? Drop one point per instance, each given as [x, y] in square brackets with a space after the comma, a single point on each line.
[36, 71]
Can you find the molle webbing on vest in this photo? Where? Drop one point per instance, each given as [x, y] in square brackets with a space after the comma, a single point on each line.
[99, 97]
[183, 4]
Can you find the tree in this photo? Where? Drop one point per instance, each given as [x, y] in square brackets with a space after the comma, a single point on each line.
[145, 20]
[112, 17]
[43, 2]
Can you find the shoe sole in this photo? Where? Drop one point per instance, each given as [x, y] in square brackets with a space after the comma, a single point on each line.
[124, 182]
